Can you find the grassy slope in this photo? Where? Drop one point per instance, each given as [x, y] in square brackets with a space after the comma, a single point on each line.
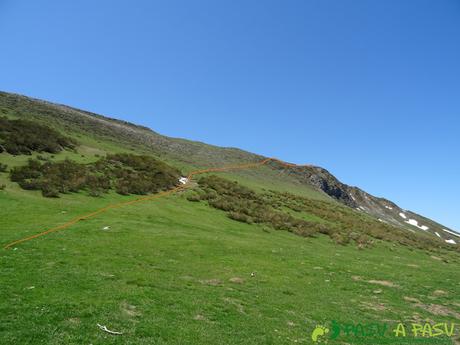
[152, 274]
[103, 134]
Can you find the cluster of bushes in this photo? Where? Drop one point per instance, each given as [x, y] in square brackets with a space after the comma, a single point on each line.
[125, 173]
[243, 204]
[24, 137]
[134, 174]
[285, 211]
[355, 226]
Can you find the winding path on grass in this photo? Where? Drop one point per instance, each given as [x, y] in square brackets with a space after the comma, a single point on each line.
[154, 196]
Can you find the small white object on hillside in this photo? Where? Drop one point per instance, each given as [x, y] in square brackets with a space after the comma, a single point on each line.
[183, 180]
[106, 228]
[105, 329]
[451, 241]
[437, 234]
[451, 232]
[402, 215]
[415, 223]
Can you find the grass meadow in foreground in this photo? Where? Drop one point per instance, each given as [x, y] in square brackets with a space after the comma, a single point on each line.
[171, 271]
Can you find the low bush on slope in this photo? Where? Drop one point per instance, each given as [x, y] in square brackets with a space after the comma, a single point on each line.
[125, 173]
[245, 205]
[24, 137]
[285, 211]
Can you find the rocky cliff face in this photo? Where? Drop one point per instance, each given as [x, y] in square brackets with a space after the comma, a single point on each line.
[379, 208]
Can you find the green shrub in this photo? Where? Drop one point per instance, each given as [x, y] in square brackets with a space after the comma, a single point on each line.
[50, 191]
[339, 222]
[240, 217]
[193, 197]
[127, 174]
[244, 205]
[24, 137]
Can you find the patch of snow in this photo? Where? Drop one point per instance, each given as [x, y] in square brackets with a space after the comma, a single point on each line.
[183, 180]
[358, 208]
[352, 197]
[388, 207]
[451, 232]
[437, 234]
[415, 223]
[451, 241]
[381, 220]
[412, 222]
[362, 208]
[403, 215]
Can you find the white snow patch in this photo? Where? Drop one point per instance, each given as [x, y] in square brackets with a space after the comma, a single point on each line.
[403, 215]
[437, 234]
[451, 232]
[388, 207]
[415, 223]
[183, 180]
[451, 241]
[412, 222]
[381, 220]
[352, 197]
[362, 208]
[358, 208]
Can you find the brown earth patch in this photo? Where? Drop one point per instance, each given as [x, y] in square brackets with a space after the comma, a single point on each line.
[236, 280]
[212, 282]
[439, 293]
[383, 283]
[236, 303]
[129, 309]
[437, 309]
[374, 306]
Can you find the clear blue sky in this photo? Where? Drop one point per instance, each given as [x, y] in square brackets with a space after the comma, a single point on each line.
[369, 90]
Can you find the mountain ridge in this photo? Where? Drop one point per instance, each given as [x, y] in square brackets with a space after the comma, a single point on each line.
[199, 154]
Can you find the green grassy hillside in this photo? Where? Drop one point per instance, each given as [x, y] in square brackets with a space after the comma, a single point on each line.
[175, 271]
[178, 272]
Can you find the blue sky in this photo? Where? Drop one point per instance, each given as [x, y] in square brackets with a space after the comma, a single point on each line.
[369, 90]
